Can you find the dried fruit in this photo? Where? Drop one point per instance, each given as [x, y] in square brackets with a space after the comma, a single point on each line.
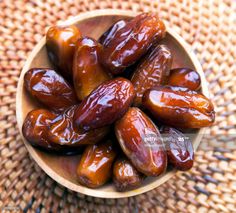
[125, 175]
[179, 148]
[35, 128]
[179, 107]
[88, 73]
[62, 131]
[107, 103]
[49, 88]
[185, 77]
[111, 32]
[141, 142]
[95, 166]
[152, 71]
[49, 131]
[132, 41]
[60, 43]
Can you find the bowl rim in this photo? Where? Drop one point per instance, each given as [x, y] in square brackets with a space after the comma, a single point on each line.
[48, 170]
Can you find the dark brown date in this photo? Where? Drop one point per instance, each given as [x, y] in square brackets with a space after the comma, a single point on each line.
[35, 128]
[125, 175]
[185, 77]
[49, 88]
[179, 148]
[62, 131]
[88, 73]
[141, 142]
[111, 32]
[107, 103]
[95, 166]
[60, 43]
[132, 41]
[179, 107]
[152, 71]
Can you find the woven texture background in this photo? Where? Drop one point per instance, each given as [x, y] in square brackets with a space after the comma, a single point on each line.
[208, 26]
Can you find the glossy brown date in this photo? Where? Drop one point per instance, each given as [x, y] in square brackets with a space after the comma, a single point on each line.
[111, 32]
[152, 71]
[49, 88]
[49, 131]
[125, 175]
[185, 77]
[61, 131]
[35, 128]
[107, 103]
[179, 107]
[60, 43]
[95, 166]
[179, 148]
[132, 41]
[141, 142]
[88, 73]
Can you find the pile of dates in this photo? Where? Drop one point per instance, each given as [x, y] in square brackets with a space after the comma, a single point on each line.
[117, 101]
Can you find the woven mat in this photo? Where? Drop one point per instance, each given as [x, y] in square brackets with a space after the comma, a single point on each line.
[208, 26]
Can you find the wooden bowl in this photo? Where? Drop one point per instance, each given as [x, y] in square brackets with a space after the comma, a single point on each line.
[62, 168]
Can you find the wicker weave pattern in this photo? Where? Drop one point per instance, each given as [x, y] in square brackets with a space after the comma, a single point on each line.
[210, 28]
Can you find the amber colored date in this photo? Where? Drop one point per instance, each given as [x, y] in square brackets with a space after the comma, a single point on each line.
[125, 175]
[95, 166]
[179, 107]
[185, 77]
[49, 88]
[61, 131]
[88, 73]
[60, 43]
[141, 142]
[132, 41]
[35, 128]
[152, 71]
[111, 32]
[49, 131]
[107, 103]
[179, 148]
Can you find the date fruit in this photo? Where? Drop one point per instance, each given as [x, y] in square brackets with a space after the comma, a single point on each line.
[132, 41]
[106, 104]
[111, 32]
[62, 131]
[60, 43]
[179, 107]
[125, 175]
[95, 166]
[35, 128]
[185, 77]
[49, 88]
[141, 142]
[179, 149]
[88, 73]
[152, 71]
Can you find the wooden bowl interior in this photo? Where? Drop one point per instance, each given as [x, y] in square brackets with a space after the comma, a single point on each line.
[62, 168]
